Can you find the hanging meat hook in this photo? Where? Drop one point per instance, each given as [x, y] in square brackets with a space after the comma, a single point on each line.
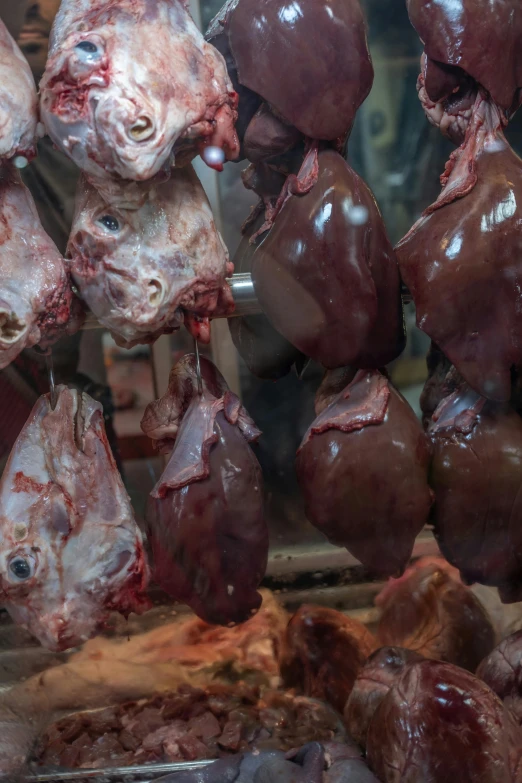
[198, 368]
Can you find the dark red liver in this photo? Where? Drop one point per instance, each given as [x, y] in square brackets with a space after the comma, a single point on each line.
[363, 471]
[327, 282]
[476, 475]
[481, 37]
[308, 59]
[462, 261]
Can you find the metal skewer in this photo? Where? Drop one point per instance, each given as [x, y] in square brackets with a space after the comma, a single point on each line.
[198, 368]
[50, 375]
[245, 300]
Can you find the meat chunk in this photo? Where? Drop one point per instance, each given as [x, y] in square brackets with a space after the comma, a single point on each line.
[131, 87]
[71, 550]
[466, 245]
[374, 680]
[502, 671]
[147, 732]
[476, 475]
[205, 516]
[36, 301]
[323, 653]
[440, 723]
[362, 467]
[311, 63]
[326, 276]
[430, 611]
[470, 38]
[144, 272]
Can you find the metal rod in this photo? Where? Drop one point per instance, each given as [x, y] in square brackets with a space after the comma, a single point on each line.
[198, 367]
[119, 774]
[244, 297]
[50, 375]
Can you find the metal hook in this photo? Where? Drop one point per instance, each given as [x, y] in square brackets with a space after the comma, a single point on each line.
[198, 368]
[50, 374]
[48, 353]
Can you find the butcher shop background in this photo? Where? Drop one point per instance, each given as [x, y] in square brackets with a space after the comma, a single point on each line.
[394, 149]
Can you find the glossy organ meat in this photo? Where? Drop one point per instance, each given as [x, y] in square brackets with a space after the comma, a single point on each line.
[36, 301]
[143, 272]
[440, 723]
[265, 352]
[70, 550]
[476, 475]
[447, 96]
[129, 84]
[462, 261]
[502, 671]
[162, 418]
[326, 276]
[469, 36]
[430, 611]
[442, 381]
[205, 516]
[309, 60]
[363, 467]
[377, 676]
[18, 101]
[323, 652]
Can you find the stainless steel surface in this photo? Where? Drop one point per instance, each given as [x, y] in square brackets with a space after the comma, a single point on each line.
[121, 774]
[244, 295]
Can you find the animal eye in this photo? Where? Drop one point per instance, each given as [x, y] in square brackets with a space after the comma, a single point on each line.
[110, 223]
[87, 46]
[22, 568]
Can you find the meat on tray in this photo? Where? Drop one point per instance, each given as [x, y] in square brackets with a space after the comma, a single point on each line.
[441, 723]
[322, 653]
[430, 611]
[71, 551]
[18, 102]
[363, 471]
[144, 272]
[187, 725]
[36, 301]
[131, 87]
[205, 516]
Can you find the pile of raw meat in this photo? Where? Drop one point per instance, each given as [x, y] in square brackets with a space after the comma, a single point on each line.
[188, 725]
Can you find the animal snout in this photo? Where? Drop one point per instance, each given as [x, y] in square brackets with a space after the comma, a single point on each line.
[142, 129]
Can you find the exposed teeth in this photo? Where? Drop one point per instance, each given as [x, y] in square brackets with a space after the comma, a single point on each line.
[11, 327]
